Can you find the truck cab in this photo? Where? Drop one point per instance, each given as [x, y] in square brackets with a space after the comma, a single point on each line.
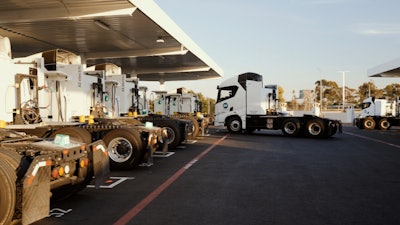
[378, 114]
[242, 96]
[378, 107]
[244, 103]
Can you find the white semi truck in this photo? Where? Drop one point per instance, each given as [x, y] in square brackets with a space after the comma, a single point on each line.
[244, 103]
[50, 91]
[33, 169]
[126, 104]
[181, 104]
[378, 114]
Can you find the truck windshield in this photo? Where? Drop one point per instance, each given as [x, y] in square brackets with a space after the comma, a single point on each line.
[225, 93]
[365, 105]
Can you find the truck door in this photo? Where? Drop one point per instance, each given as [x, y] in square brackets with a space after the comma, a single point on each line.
[226, 103]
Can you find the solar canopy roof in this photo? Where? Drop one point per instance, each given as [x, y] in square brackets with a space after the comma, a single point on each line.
[389, 69]
[133, 34]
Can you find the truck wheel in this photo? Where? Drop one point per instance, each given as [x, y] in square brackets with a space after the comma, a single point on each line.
[8, 192]
[234, 125]
[196, 126]
[384, 124]
[78, 134]
[315, 128]
[358, 124]
[291, 127]
[124, 148]
[11, 156]
[369, 123]
[174, 136]
[204, 126]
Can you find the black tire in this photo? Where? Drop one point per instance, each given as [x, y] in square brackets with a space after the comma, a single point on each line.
[75, 133]
[196, 126]
[369, 123]
[234, 125]
[11, 156]
[359, 124]
[384, 124]
[174, 136]
[315, 128]
[204, 126]
[8, 191]
[291, 127]
[124, 148]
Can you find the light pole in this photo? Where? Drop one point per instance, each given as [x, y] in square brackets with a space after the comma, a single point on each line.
[369, 88]
[344, 87]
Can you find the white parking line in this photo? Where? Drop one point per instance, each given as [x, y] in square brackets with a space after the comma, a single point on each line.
[373, 139]
[113, 184]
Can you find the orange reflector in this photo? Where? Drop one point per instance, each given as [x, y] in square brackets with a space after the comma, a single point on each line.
[61, 171]
[65, 152]
[82, 163]
[54, 173]
[86, 162]
[83, 147]
[30, 180]
[49, 163]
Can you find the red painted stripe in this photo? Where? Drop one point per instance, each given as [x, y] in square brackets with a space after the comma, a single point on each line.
[153, 195]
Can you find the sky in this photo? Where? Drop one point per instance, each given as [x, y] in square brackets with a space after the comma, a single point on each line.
[292, 43]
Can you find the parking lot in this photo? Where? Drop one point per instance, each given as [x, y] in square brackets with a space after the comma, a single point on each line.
[263, 178]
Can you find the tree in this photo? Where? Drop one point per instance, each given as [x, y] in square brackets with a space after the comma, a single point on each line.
[392, 91]
[280, 94]
[352, 96]
[369, 89]
[329, 91]
[292, 105]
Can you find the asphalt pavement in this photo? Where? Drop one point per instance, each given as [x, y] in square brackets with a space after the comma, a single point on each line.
[264, 178]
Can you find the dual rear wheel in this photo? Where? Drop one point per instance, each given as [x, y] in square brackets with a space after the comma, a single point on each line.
[370, 123]
[8, 179]
[291, 127]
[173, 134]
[124, 148]
[315, 128]
[312, 128]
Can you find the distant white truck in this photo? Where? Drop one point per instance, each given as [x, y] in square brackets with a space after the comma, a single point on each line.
[244, 103]
[378, 114]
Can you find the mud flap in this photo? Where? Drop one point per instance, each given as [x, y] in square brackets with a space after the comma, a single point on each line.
[36, 192]
[101, 162]
[339, 124]
[165, 146]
